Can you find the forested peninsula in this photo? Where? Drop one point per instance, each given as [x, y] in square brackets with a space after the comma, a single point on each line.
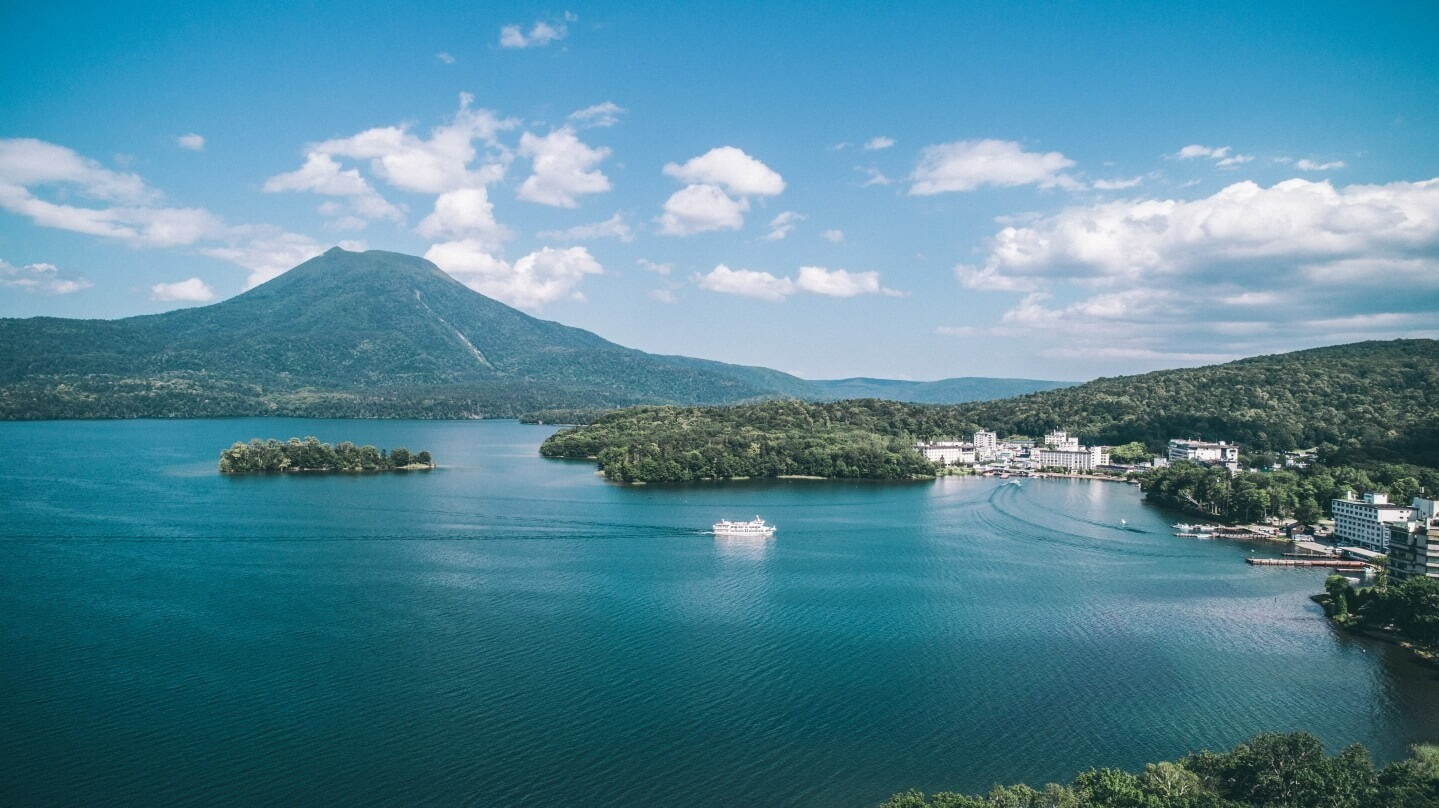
[310, 455]
[1371, 409]
[1269, 771]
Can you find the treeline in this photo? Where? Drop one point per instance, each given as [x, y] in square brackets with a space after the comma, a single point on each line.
[565, 415]
[1410, 608]
[1359, 403]
[1305, 494]
[1270, 771]
[679, 444]
[310, 454]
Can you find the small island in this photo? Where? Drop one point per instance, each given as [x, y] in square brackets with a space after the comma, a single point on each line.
[310, 455]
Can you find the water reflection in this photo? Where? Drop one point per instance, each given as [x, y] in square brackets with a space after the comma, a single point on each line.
[749, 547]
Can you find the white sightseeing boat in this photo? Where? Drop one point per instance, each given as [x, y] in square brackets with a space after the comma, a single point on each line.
[755, 527]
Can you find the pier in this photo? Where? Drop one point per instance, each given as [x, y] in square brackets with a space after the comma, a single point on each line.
[1337, 563]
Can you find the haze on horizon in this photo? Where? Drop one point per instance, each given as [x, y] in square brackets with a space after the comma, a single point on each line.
[1044, 191]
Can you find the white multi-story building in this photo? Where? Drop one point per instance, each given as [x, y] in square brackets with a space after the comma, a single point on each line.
[947, 452]
[1079, 459]
[1365, 522]
[1059, 439]
[1198, 451]
[1414, 543]
[986, 445]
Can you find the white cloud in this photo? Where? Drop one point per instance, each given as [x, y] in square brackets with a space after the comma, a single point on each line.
[435, 164]
[1195, 150]
[542, 277]
[878, 142]
[815, 280]
[445, 57]
[1222, 155]
[781, 225]
[655, 267]
[597, 116]
[192, 141]
[42, 278]
[1310, 165]
[190, 290]
[727, 166]
[746, 283]
[465, 213]
[965, 165]
[614, 227]
[874, 176]
[833, 236]
[700, 208]
[320, 174]
[564, 168]
[1116, 184]
[1246, 270]
[135, 215]
[541, 34]
[840, 283]
[663, 296]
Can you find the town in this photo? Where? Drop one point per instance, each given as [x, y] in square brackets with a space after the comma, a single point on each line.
[1367, 535]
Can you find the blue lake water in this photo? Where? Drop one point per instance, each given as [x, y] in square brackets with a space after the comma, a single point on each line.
[514, 631]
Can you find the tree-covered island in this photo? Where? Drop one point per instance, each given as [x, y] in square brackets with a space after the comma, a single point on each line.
[309, 454]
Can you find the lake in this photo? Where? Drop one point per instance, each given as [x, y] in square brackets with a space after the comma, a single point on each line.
[509, 630]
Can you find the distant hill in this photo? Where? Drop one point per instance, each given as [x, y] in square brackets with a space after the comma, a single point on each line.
[346, 334]
[943, 391]
[1369, 402]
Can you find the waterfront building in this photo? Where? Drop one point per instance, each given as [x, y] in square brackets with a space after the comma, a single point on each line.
[1198, 451]
[1414, 543]
[986, 445]
[947, 452]
[1077, 460]
[1365, 522]
[1059, 439]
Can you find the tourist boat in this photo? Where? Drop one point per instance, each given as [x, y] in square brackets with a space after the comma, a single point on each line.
[755, 527]
[1188, 528]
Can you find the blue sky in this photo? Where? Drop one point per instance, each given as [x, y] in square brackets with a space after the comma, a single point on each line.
[1045, 190]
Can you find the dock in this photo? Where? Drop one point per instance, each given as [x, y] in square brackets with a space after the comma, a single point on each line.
[1337, 563]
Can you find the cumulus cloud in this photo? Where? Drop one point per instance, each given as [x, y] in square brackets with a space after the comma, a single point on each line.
[840, 283]
[541, 33]
[464, 213]
[814, 280]
[597, 116]
[965, 165]
[445, 58]
[614, 227]
[655, 267]
[663, 296]
[434, 164]
[730, 168]
[42, 278]
[781, 225]
[563, 168]
[320, 174]
[878, 142]
[873, 176]
[833, 236]
[700, 208]
[746, 283]
[542, 277]
[1248, 268]
[190, 290]
[268, 251]
[192, 141]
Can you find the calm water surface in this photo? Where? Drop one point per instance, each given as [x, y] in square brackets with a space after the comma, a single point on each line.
[514, 631]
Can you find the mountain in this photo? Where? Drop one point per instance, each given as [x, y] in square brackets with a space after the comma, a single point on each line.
[346, 334]
[1365, 403]
[943, 391]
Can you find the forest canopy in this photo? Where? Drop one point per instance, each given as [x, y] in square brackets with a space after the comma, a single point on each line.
[309, 454]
